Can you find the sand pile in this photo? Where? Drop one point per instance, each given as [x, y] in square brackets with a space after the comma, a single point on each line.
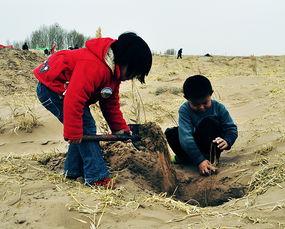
[16, 70]
[18, 105]
[149, 166]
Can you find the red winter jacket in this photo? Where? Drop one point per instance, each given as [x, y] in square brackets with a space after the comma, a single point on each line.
[80, 75]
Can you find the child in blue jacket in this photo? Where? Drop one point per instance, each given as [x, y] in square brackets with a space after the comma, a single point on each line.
[205, 127]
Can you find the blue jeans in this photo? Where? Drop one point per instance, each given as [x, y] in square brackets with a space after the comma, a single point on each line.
[84, 159]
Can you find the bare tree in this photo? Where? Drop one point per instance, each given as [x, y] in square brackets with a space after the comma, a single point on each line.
[56, 35]
[46, 36]
[39, 38]
[74, 38]
[170, 52]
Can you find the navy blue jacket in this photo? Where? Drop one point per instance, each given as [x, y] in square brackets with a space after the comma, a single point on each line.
[189, 119]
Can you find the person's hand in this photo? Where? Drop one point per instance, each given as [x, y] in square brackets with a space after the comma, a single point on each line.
[125, 133]
[206, 168]
[221, 143]
[74, 141]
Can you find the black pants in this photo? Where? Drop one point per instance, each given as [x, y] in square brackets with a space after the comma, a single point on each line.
[207, 130]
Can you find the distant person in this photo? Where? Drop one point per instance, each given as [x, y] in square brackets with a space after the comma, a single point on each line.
[46, 52]
[179, 54]
[70, 81]
[52, 50]
[205, 127]
[25, 46]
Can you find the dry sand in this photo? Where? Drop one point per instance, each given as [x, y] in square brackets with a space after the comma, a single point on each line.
[248, 191]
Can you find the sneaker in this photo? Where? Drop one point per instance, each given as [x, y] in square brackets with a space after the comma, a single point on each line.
[107, 182]
[177, 160]
[173, 158]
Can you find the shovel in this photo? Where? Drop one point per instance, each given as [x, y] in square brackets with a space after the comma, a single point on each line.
[117, 137]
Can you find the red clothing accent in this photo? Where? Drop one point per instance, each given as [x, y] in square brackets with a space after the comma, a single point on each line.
[6, 46]
[80, 75]
[53, 48]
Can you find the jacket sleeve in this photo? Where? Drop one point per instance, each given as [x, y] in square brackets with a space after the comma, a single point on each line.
[84, 82]
[228, 126]
[111, 111]
[186, 138]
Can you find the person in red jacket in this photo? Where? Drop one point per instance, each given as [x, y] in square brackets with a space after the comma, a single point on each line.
[52, 50]
[71, 80]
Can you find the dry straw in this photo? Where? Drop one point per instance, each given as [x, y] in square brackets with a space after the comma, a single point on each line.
[171, 204]
[267, 176]
[13, 168]
[22, 116]
[137, 108]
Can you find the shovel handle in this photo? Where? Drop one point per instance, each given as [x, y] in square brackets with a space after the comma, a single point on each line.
[110, 137]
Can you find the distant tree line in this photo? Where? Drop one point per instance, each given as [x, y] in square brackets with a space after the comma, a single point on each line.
[167, 52]
[46, 36]
[170, 52]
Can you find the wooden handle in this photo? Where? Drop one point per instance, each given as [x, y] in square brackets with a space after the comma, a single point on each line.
[110, 137]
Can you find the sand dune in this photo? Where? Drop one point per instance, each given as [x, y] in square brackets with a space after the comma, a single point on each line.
[248, 191]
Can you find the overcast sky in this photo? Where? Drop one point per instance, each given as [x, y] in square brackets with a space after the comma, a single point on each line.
[219, 27]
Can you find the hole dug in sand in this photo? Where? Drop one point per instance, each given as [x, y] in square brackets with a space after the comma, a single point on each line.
[151, 169]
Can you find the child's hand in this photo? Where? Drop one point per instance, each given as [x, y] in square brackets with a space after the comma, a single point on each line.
[124, 132]
[206, 168]
[222, 144]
